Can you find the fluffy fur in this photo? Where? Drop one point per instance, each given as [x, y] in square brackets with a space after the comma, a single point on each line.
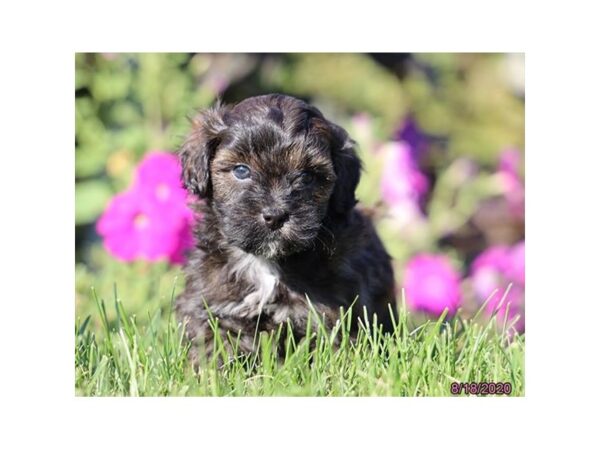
[287, 231]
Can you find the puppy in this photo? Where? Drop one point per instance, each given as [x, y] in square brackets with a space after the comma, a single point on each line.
[280, 237]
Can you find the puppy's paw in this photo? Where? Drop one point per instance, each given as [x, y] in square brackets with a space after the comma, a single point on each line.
[251, 306]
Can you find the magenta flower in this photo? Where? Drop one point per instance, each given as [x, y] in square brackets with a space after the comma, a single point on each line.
[431, 284]
[403, 186]
[150, 221]
[159, 176]
[495, 269]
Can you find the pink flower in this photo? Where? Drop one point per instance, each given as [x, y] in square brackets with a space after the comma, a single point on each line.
[159, 176]
[496, 268]
[403, 186]
[512, 184]
[362, 129]
[151, 220]
[431, 284]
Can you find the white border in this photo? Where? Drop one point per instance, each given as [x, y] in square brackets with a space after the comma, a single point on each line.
[37, 240]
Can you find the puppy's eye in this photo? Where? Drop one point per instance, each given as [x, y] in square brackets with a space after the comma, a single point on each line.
[241, 172]
[306, 177]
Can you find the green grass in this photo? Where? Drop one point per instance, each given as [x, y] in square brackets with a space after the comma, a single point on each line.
[120, 352]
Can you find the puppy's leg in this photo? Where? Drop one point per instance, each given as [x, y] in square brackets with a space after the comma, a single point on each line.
[208, 334]
[298, 310]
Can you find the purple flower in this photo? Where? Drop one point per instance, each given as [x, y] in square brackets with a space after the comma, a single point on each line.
[410, 133]
[495, 269]
[432, 284]
[510, 160]
[403, 186]
[151, 220]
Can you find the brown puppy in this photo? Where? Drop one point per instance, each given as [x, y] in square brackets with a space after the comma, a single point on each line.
[279, 224]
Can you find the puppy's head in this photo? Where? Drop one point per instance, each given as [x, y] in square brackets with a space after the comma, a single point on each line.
[271, 168]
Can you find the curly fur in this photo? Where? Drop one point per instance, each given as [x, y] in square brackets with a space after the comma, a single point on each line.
[251, 276]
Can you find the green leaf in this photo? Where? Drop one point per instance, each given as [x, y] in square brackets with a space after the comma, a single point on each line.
[90, 199]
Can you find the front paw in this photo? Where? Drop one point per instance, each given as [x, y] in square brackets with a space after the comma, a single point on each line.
[251, 306]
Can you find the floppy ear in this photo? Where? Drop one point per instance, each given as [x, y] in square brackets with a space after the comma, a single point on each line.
[198, 150]
[347, 168]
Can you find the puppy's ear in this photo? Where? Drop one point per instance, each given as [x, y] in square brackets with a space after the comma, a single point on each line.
[199, 148]
[347, 168]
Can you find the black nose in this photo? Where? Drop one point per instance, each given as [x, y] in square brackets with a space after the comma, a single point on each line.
[274, 218]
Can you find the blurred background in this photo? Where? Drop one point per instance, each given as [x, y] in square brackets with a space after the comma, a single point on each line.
[441, 137]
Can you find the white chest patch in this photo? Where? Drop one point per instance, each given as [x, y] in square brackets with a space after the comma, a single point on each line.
[262, 275]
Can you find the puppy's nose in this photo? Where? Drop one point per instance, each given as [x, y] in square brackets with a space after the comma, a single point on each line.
[274, 218]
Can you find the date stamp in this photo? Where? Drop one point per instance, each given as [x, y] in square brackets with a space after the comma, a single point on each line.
[481, 388]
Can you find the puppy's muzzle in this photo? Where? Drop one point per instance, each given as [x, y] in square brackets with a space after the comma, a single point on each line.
[274, 218]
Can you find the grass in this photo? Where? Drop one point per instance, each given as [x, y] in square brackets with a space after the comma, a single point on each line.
[123, 353]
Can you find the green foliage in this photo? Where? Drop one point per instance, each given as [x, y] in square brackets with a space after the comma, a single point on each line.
[90, 197]
[125, 106]
[351, 81]
[468, 102]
